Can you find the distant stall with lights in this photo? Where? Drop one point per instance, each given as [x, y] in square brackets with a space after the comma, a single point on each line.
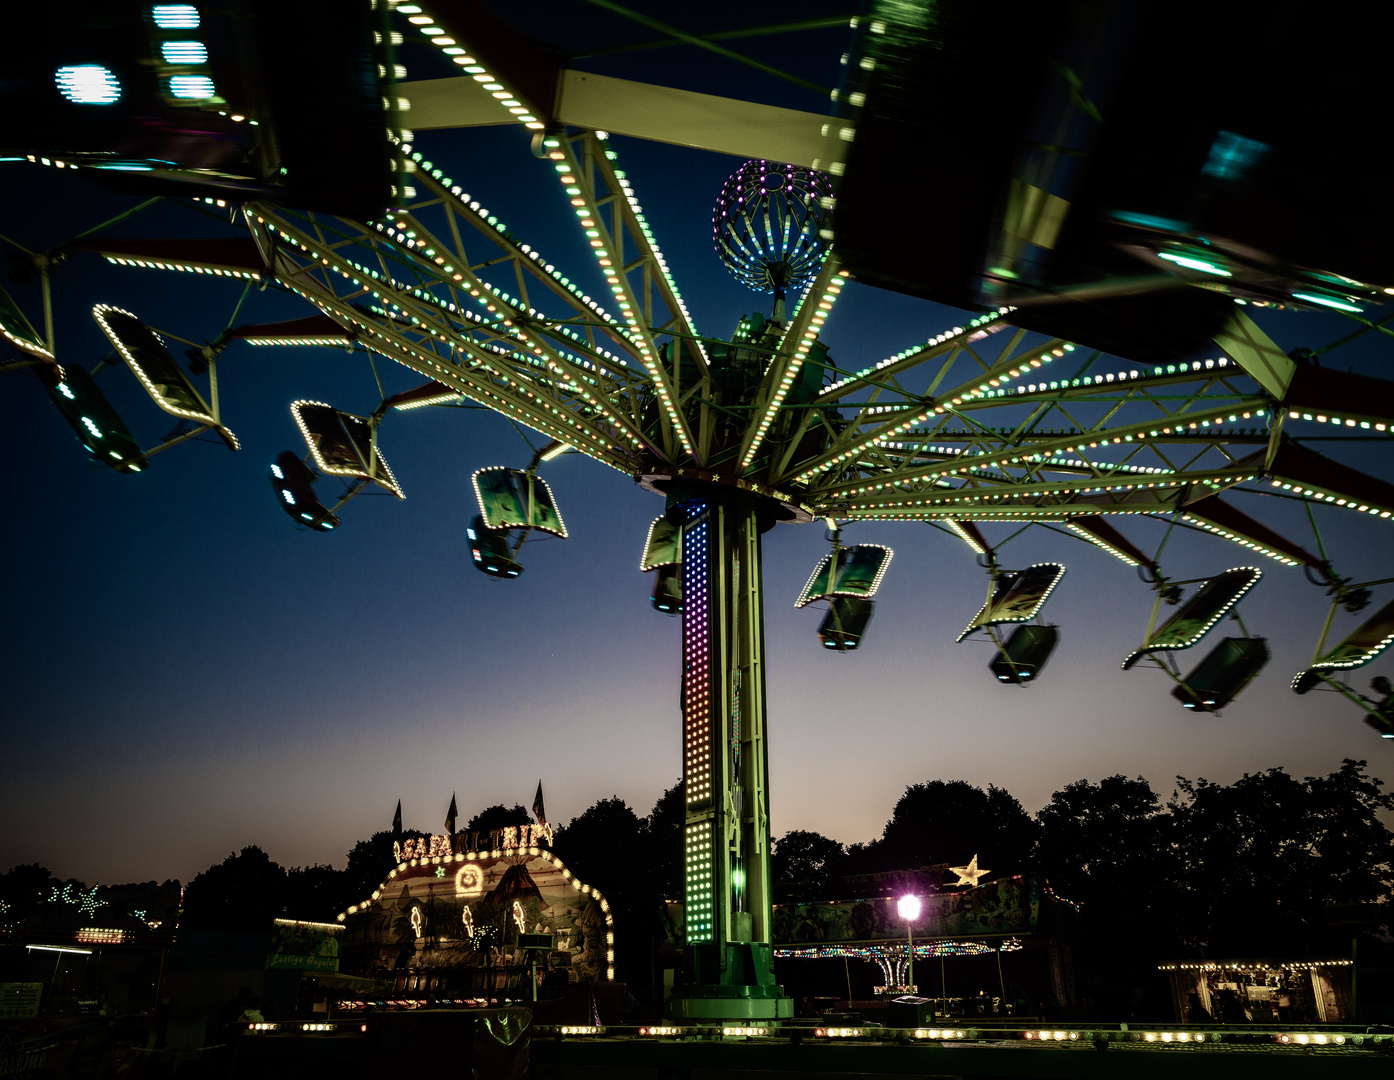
[450, 922]
[1306, 990]
[1016, 926]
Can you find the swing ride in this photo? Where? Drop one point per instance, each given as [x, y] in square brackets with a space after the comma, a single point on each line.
[1004, 419]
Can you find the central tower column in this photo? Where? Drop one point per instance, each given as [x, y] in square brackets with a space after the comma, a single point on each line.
[726, 838]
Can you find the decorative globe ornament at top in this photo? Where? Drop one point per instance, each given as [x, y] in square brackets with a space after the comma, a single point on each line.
[766, 226]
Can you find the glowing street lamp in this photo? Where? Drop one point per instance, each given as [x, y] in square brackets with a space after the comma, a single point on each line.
[909, 909]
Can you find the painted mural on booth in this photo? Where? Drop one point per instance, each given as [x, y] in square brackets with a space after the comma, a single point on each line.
[467, 911]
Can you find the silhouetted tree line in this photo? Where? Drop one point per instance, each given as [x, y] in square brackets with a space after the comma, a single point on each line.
[30, 893]
[1244, 869]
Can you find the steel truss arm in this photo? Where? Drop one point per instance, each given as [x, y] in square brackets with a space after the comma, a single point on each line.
[490, 361]
[639, 279]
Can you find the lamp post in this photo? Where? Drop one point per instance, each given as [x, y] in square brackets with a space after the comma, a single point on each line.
[909, 910]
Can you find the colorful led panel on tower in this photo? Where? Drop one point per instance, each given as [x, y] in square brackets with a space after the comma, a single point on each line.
[696, 653]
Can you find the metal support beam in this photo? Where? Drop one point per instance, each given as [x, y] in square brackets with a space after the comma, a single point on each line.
[743, 129]
[729, 956]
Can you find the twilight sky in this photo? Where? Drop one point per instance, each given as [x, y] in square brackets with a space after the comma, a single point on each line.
[185, 673]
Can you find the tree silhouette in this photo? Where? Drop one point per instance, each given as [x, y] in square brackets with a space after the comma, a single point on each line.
[663, 830]
[498, 817]
[806, 866]
[1099, 840]
[243, 892]
[594, 845]
[22, 888]
[368, 864]
[1107, 847]
[315, 893]
[604, 847]
[950, 822]
[1264, 856]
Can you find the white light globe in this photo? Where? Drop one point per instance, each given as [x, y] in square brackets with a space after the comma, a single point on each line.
[908, 907]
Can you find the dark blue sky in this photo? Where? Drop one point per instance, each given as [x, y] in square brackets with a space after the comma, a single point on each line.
[185, 673]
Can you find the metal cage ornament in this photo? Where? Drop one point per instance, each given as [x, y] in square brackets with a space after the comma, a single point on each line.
[767, 226]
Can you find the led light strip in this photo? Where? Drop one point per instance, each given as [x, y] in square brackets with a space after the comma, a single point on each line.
[814, 307]
[435, 178]
[339, 342]
[1003, 371]
[970, 513]
[1217, 480]
[1325, 496]
[186, 267]
[588, 213]
[976, 330]
[493, 401]
[1111, 379]
[1034, 459]
[1139, 432]
[1242, 541]
[1102, 543]
[487, 294]
[965, 536]
[437, 35]
[1339, 421]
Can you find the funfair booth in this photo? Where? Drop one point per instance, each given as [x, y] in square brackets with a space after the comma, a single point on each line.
[480, 916]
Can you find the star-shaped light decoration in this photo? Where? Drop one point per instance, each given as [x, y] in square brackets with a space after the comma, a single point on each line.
[440, 871]
[968, 875]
